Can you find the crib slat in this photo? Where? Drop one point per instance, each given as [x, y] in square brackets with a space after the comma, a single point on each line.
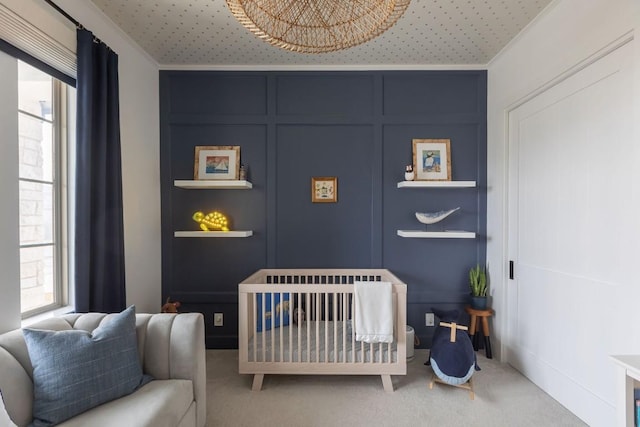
[281, 325]
[308, 340]
[336, 354]
[344, 329]
[299, 328]
[264, 324]
[325, 298]
[291, 312]
[317, 303]
[270, 333]
[255, 327]
[353, 329]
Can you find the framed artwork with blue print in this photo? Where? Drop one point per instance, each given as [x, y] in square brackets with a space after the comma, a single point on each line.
[273, 313]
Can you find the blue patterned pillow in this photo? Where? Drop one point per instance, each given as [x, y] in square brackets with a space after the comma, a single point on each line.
[75, 370]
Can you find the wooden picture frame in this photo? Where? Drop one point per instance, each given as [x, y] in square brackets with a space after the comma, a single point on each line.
[324, 189]
[216, 162]
[432, 159]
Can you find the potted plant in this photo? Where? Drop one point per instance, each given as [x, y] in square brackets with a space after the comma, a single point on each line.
[478, 286]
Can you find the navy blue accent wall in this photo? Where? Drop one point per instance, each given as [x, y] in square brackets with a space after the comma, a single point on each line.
[291, 126]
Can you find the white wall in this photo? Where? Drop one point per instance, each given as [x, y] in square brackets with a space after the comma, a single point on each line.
[140, 137]
[565, 34]
[9, 231]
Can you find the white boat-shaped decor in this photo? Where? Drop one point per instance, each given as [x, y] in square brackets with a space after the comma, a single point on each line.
[433, 217]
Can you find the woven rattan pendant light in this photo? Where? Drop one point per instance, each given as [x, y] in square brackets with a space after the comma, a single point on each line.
[317, 26]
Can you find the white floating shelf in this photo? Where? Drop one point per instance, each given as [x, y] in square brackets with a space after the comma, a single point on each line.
[436, 184]
[233, 233]
[236, 184]
[437, 234]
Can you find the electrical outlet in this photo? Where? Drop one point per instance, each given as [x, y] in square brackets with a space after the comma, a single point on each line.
[218, 319]
[429, 320]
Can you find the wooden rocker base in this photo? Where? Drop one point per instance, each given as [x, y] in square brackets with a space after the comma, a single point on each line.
[467, 386]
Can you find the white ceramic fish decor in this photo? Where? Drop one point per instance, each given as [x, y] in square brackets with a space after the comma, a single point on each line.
[433, 217]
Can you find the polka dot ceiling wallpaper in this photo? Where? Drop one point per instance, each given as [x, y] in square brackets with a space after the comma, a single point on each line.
[430, 33]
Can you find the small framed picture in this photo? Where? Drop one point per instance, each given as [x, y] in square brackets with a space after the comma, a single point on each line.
[432, 159]
[324, 189]
[217, 162]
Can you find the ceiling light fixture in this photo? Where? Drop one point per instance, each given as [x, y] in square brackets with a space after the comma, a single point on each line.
[317, 26]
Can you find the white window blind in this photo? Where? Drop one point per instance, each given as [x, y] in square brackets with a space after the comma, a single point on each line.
[35, 28]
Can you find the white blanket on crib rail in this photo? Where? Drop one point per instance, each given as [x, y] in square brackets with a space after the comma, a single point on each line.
[373, 311]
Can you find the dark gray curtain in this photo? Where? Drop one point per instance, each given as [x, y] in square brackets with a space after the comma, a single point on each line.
[99, 233]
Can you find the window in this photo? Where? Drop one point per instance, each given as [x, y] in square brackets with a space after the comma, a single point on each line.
[43, 112]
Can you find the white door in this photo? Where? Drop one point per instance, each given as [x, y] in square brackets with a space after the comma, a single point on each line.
[574, 223]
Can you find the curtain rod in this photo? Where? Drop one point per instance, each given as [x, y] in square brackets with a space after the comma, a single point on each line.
[63, 13]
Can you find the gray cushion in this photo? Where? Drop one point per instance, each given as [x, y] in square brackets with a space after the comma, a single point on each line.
[76, 370]
[5, 420]
[161, 403]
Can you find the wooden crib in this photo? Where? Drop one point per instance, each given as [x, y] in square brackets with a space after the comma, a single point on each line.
[322, 340]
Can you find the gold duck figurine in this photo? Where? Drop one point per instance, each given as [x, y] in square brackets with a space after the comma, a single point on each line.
[212, 221]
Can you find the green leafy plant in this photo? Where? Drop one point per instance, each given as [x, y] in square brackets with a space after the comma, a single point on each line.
[478, 281]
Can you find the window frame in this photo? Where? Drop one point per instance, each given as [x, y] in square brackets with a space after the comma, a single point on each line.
[61, 141]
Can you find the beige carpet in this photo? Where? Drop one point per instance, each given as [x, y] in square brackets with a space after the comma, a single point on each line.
[503, 397]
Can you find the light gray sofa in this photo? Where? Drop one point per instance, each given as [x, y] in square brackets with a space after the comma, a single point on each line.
[171, 349]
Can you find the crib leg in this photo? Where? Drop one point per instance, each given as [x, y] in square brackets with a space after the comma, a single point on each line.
[386, 383]
[257, 382]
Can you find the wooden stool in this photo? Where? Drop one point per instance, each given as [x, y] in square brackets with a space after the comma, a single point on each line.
[474, 330]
